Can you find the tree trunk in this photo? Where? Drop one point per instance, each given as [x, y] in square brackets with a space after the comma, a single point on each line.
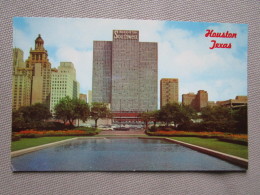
[96, 123]
[71, 122]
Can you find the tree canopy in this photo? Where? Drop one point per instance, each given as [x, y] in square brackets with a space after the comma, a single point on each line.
[146, 117]
[30, 116]
[240, 116]
[218, 118]
[99, 110]
[175, 113]
[69, 109]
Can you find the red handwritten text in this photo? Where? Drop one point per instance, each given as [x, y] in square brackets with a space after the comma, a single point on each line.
[211, 33]
[220, 45]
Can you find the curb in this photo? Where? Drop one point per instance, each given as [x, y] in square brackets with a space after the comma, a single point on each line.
[227, 157]
[36, 148]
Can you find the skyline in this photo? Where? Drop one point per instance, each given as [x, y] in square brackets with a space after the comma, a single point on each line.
[183, 50]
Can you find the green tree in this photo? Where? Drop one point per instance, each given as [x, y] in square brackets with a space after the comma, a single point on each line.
[175, 113]
[69, 109]
[99, 111]
[18, 121]
[36, 112]
[63, 110]
[149, 116]
[155, 116]
[30, 116]
[240, 116]
[81, 110]
[184, 116]
[146, 118]
[218, 118]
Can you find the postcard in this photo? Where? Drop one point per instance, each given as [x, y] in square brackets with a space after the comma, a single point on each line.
[128, 95]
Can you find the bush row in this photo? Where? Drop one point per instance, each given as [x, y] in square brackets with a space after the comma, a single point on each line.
[202, 126]
[227, 137]
[40, 125]
[32, 133]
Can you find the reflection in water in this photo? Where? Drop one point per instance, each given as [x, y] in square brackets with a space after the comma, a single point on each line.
[118, 155]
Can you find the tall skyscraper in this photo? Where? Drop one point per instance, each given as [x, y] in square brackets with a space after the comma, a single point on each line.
[196, 101]
[125, 72]
[63, 83]
[21, 81]
[169, 91]
[41, 73]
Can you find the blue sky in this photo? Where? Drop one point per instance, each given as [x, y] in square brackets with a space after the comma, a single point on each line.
[183, 50]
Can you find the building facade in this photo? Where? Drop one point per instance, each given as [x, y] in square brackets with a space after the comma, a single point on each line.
[189, 99]
[83, 97]
[169, 91]
[196, 101]
[63, 83]
[89, 97]
[211, 103]
[125, 72]
[238, 102]
[21, 85]
[41, 73]
[202, 99]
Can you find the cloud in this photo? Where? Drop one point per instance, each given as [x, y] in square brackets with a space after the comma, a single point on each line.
[187, 56]
[82, 63]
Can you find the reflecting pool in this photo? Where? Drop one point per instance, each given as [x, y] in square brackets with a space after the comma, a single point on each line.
[124, 154]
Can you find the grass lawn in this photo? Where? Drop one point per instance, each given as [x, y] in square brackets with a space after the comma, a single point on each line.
[214, 144]
[31, 142]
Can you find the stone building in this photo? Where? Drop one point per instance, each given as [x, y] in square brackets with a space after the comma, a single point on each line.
[196, 101]
[189, 99]
[89, 97]
[238, 102]
[169, 91]
[41, 73]
[125, 72]
[83, 97]
[21, 85]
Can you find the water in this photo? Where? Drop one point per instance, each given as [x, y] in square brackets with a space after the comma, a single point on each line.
[131, 154]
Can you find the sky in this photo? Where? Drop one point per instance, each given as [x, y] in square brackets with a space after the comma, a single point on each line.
[183, 50]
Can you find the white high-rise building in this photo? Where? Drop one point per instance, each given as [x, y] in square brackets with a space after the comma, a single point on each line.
[63, 83]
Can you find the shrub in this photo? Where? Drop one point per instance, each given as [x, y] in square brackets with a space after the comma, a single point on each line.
[166, 128]
[88, 129]
[30, 135]
[16, 137]
[76, 132]
[153, 129]
[52, 126]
